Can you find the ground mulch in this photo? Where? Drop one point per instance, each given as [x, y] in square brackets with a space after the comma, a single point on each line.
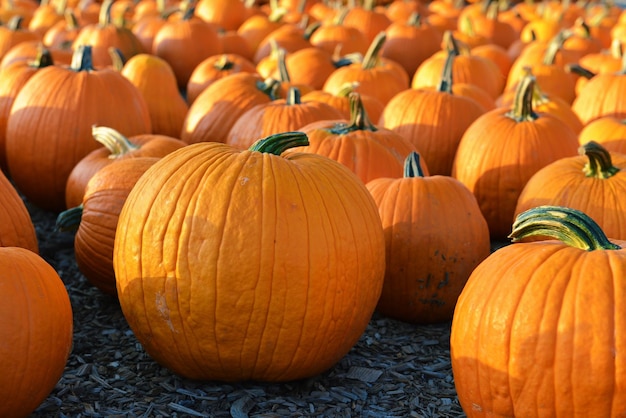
[395, 370]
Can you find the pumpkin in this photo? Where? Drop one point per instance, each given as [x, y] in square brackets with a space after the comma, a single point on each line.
[503, 148]
[341, 100]
[277, 116]
[367, 150]
[107, 34]
[35, 330]
[156, 81]
[114, 147]
[49, 126]
[332, 36]
[257, 259]
[594, 183]
[13, 33]
[538, 329]
[16, 226]
[433, 119]
[368, 19]
[608, 131]
[12, 79]
[378, 77]
[435, 235]
[95, 219]
[216, 109]
[224, 14]
[63, 32]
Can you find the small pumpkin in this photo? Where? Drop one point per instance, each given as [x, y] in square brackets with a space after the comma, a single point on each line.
[35, 330]
[538, 329]
[256, 259]
[608, 131]
[435, 235]
[593, 182]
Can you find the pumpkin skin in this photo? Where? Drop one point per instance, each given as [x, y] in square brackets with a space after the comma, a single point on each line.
[503, 148]
[538, 330]
[594, 182]
[262, 284]
[35, 330]
[42, 146]
[16, 226]
[608, 131]
[435, 235]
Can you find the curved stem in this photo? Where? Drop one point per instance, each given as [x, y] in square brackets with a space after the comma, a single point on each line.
[370, 60]
[278, 143]
[69, 220]
[115, 142]
[359, 120]
[555, 45]
[281, 65]
[600, 164]
[568, 225]
[270, 87]
[523, 103]
[104, 17]
[413, 165]
[445, 84]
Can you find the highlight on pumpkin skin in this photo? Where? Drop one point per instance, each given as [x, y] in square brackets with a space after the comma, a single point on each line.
[571, 226]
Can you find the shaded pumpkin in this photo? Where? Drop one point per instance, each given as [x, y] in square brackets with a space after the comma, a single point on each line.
[253, 265]
[16, 226]
[503, 148]
[536, 312]
[367, 150]
[95, 219]
[435, 235]
[36, 330]
[594, 183]
[113, 147]
[42, 146]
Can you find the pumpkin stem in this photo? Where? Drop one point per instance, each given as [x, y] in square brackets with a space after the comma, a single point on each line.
[82, 59]
[278, 143]
[445, 84]
[281, 65]
[223, 63]
[523, 103]
[270, 87]
[115, 142]
[370, 60]
[294, 96]
[600, 164]
[413, 165]
[43, 58]
[555, 45]
[69, 220]
[359, 121]
[117, 58]
[104, 17]
[15, 23]
[568, 225]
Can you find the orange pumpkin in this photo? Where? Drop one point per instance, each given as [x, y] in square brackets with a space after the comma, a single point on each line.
[95, 219]
[49, 127]
[257, 259]
[35, 330]
[114, 147]
[594, 183]
[537, 330]
[367, 150]
[16, 226]
[503, 148]
[429, 257]
[608, 131]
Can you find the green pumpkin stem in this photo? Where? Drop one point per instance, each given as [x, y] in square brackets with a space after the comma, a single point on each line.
[278, 143]
[359, 120]
[568, 225]
[600, 164]
[370, 60]
[115, 142]
[413, 165]
[69, 220]
[223, 63]
[43, 58]
[82, 59]
[522, 109]
[445, 84]
[270, 87]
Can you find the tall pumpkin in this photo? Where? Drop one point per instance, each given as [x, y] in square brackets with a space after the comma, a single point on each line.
[35, 330]
[539, 329]
[435, 235]
[503, 148]
[243, 264]
[49, 126]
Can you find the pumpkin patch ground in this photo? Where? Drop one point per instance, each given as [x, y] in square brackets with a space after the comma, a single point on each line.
[396, 369]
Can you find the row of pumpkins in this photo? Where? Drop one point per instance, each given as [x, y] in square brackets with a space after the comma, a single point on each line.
[319, 166]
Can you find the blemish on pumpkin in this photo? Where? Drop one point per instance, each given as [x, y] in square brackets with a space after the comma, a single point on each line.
[161, 305]
[244, 180]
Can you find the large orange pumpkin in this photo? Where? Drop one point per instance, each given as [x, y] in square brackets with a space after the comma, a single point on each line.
[35, 330]
[243, 264]
[49, 127]
[435, 235]
[538, 330]
[16, 226]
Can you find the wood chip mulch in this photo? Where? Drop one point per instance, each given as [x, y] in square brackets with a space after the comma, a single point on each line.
[395, 370]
